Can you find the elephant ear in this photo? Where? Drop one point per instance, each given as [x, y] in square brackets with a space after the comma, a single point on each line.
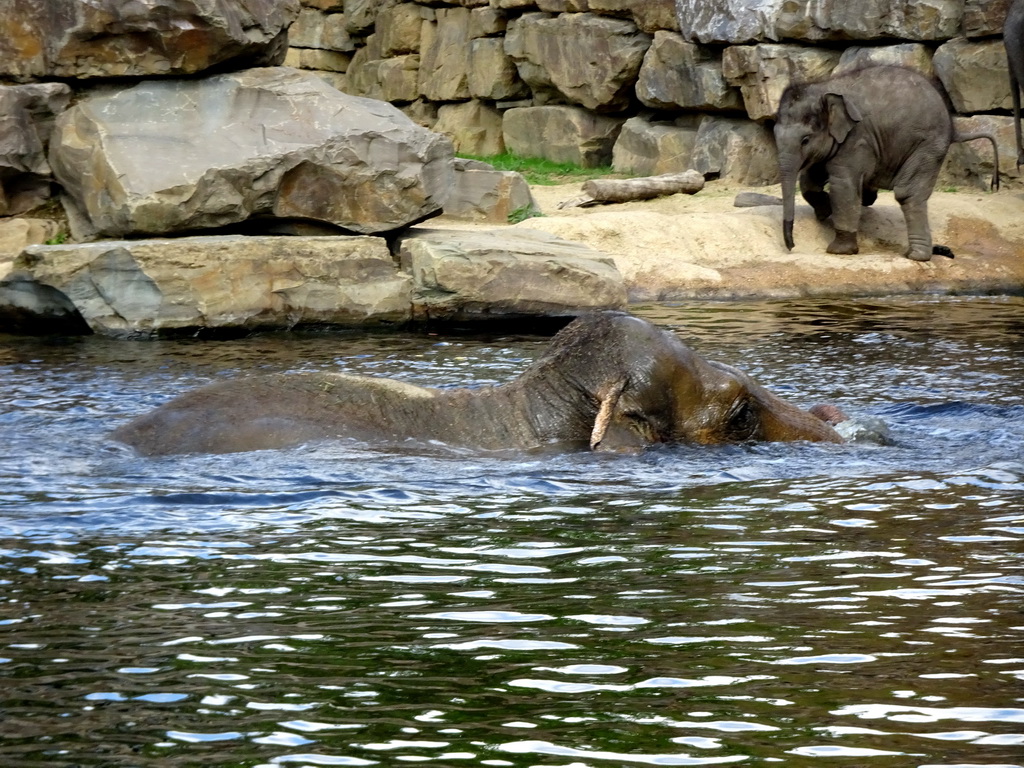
[612, 430]
[843, 115]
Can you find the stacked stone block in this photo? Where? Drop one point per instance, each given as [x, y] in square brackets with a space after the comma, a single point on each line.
[649, 86]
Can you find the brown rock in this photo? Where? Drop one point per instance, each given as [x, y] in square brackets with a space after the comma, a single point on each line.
[492, 73]
[678, 74]
[562, 134]
[738, 150]
[444, 69]
[140, 288]
[275, 141]
[645, 148]
[585, 59]
[764, 71]
[466, 275]
[974, 75]
[474, 127]
[112, 38]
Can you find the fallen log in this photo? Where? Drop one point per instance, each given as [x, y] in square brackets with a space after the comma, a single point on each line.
[601, 191]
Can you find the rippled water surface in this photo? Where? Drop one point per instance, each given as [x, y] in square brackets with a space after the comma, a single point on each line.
[788, 604]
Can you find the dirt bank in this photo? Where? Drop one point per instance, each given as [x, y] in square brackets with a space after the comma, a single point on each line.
[701, 246]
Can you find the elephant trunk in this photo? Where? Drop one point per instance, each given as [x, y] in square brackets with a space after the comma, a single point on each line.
[788, 174]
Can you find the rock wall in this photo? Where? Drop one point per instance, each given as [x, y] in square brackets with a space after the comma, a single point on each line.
[649, 86]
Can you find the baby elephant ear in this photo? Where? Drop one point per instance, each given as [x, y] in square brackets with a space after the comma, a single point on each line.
[843, 115]
[609, 399]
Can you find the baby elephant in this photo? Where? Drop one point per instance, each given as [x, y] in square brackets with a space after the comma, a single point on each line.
[874, 128]
[608, 382]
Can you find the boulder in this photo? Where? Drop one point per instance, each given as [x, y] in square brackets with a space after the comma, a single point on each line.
[677, 74]
[336, 6]
[483, 193]
[974, 74]
[315, 59]
[400, 28]
[916, 56]
[589, 60]
[176, 155]
[646, 148]
[316, 29]
[394, 80]
[739, 150]
[971, 163]
[492, 72]
[562, 134]
[113, 38]
[983, 18]
[444, 69]
[487, 22]
[17, 233]
[140, 288]
[763, 72]
[649, 15]
[474, 127]
[515, 4]
[27, 114]
[563, 6]
[361, 15]
[473, 275]
[747, 21]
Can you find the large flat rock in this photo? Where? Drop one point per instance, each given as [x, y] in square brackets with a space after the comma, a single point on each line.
[462, 275]
[139, 288]
[179, 155]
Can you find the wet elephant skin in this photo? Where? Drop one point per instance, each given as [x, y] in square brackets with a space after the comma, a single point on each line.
[608, 381]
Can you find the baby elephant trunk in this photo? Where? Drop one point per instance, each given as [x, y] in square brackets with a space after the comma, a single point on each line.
[788, 207]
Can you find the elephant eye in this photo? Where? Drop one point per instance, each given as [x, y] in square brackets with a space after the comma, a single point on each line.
[742, 422]
[641, 425]
[805, 141]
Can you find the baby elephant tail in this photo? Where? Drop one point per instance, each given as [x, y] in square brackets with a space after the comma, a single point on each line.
[962, 137]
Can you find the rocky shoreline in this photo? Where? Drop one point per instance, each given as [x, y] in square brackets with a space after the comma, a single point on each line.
[154, 183]
[559, 263]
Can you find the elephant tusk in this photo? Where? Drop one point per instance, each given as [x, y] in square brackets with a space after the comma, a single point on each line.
[609, 398]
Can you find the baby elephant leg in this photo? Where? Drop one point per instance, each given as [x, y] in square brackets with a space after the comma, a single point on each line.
[846, 204]
[919, 234]
[812, 187]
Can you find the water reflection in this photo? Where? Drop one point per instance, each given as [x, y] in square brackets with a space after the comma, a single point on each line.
[333, 605]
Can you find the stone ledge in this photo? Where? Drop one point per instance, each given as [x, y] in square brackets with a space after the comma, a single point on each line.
[233, 283]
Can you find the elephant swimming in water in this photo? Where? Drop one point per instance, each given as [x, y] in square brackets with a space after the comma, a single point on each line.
[608, 382]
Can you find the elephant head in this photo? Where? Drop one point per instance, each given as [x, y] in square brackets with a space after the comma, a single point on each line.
[812, 123]
[645, 386]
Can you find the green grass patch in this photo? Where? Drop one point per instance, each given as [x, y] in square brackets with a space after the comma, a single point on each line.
[537, 170]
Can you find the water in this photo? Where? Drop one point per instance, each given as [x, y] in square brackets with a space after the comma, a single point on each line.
[786, 604]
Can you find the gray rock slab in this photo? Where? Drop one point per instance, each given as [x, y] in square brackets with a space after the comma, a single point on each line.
[487, 194]
[140, 288]
[461, 275]
[580, 57]
[561, 133]
[27, 114]
[182, 155]
[744, 21]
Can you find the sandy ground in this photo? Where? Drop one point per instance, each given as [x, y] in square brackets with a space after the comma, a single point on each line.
[701, 246]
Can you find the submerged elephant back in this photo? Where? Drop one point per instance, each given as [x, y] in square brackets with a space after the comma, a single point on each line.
[277, 411]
